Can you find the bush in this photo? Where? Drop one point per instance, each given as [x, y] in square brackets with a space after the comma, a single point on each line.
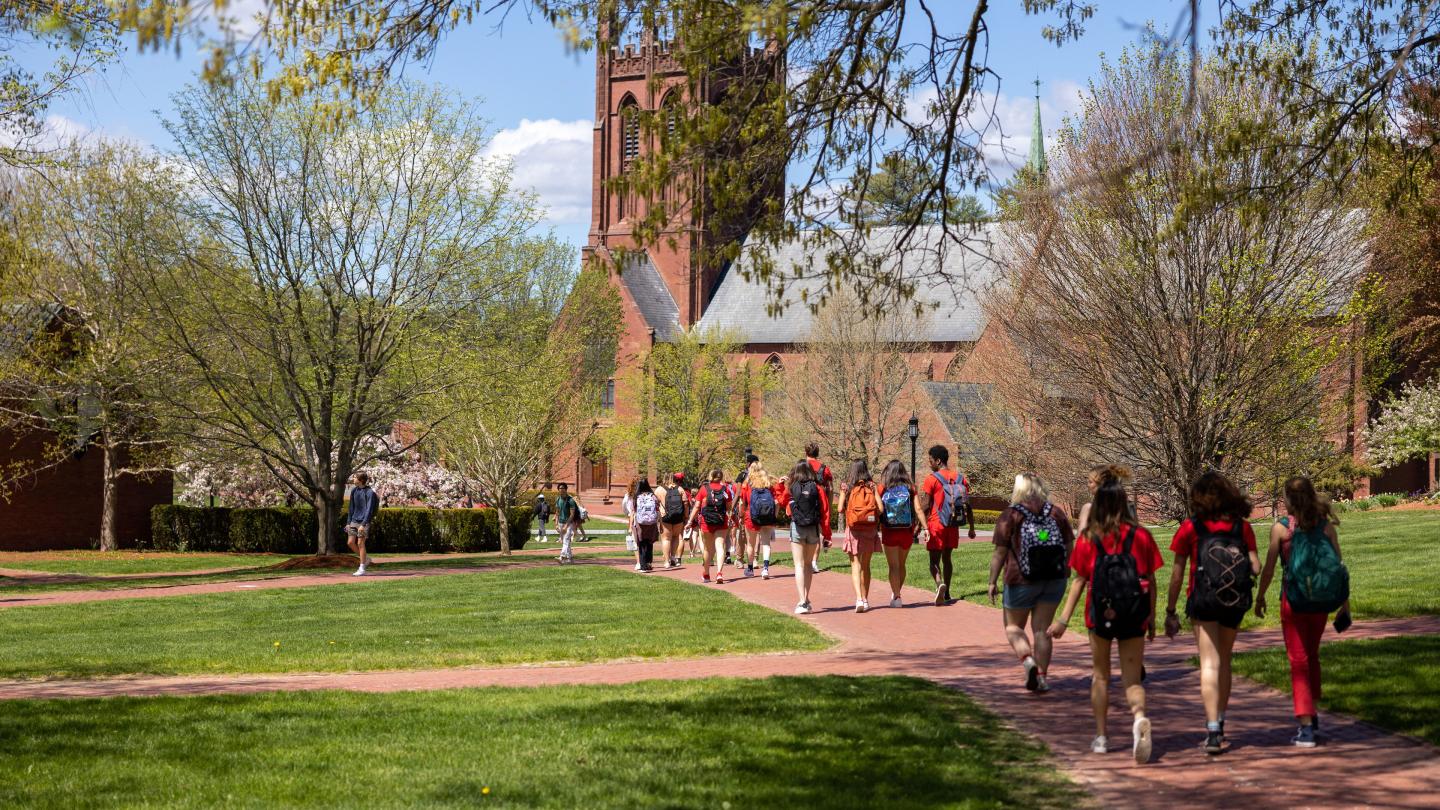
[280, 530]
[1387, 499]
[1363, 504]
[986, 516]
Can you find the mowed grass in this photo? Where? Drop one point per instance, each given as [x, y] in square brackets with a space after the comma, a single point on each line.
[98, 563]
[831, 742]
[380, 564]
[1393, 557]
[521, 616]
[1390, 682]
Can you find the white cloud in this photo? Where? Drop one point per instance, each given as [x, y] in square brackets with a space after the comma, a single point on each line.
[551, 157]
[1007, 144]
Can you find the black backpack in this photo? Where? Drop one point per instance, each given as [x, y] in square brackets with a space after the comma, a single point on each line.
[1223, 577]
[716, 501]
[805, 505]
[1119, 606]
[674, 505]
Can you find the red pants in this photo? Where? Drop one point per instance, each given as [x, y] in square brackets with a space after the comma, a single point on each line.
[1302, 645]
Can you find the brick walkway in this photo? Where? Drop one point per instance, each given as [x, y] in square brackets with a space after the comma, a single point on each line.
[962, 646]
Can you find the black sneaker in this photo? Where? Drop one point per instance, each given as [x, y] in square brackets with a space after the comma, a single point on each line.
[1144, 674]
[1304, 737]
[1213, 742]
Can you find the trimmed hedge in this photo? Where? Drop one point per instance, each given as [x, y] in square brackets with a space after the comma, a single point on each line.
[281, 530]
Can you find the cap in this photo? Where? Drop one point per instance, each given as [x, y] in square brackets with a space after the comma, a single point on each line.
[679, 476]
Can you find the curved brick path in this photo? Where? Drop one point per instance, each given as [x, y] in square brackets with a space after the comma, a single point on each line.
[962, 646]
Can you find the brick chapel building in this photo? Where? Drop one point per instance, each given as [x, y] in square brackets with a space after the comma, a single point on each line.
[666, 288]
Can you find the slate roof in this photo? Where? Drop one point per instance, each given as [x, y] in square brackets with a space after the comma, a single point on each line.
[739, 305]
[652, 297]
[960, 406]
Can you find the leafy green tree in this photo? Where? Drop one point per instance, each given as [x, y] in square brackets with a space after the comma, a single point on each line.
[84, 370]
[892, 194]
[337, 266]
[691, 412]
[531, 377]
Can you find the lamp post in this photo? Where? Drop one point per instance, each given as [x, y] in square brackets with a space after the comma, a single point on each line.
[913, 431]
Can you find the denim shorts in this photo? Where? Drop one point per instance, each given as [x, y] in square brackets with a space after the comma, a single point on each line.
[808, 535]
[1026, 597]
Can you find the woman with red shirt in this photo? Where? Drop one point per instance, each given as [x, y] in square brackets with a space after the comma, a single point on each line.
[1112, 530]
[711, 515]
[1218, 509]
[900, 528]
[757, 479]
[1312, 517]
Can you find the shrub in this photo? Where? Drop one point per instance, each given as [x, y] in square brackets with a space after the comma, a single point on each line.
[1387, 499]
[189, 528]
[1362, 504]
[986, 516]
[280, 530]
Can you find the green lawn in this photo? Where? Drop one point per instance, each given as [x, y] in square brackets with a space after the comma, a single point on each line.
[97, 563]
[1389, 681]
[553, 613]
[1394, 561]
[893, 743]
[380, 564]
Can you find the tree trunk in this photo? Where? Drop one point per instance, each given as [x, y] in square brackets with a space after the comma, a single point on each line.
[107, 499]
[504, 521]
[326, 513]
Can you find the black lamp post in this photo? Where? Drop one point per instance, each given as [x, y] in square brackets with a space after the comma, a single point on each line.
[913, 431]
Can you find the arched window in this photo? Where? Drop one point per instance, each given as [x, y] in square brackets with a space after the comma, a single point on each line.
[607, 396]
[774, 365]
[957, 363]
[629, 131]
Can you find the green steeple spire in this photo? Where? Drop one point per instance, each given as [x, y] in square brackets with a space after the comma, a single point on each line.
[1036, 163]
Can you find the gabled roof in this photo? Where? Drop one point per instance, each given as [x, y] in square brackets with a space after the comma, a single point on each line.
[950, 278]
[651, 296]
[961, 407]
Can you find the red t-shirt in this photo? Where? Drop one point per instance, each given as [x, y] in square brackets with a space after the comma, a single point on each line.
[936, 494]
[1186, 537]
[1143, 549]
[777, 489]
[730, 505]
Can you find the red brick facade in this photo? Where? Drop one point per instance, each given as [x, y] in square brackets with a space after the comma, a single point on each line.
[59, 508]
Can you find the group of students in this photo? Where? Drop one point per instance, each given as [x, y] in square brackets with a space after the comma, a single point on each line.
[737, 520]
[1112, 562]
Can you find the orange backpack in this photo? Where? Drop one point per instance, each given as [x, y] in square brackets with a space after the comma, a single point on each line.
[862, 507]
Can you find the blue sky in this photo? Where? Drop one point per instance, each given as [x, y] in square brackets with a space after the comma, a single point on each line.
[539, 98]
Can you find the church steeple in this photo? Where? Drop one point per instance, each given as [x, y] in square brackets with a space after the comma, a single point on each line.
[1036, 163]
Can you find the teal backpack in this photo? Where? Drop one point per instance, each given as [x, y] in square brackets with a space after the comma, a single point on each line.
[1315, 579]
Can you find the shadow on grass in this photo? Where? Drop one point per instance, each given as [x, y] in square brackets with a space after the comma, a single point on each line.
[826, 742]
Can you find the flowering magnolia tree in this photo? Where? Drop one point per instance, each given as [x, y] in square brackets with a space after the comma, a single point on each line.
[399, 475]
[1408, 427]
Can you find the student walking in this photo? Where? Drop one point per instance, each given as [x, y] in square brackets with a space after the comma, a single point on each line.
[1315, 583]
[826, 480]
[628, 504]
[861, 508]
[808, 507]
[675, 505]
[760, 499]
[1219, 547]
[711, 514]
[567, 522]
[646, 523]
[1033, 545]
[542, 513]
[944, 498]
[1114, 564]
[364, 503]
[900, 526]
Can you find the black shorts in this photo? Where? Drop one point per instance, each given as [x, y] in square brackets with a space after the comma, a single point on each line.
[1229, 619]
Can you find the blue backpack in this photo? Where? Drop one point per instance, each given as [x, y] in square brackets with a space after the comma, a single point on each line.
[895, 507]
[762, 507]
[951, 509]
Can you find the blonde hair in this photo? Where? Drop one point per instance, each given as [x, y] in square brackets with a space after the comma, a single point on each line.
[1028, 486]
[757, 477]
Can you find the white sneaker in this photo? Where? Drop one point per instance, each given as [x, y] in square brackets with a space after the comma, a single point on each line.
[895, 602]
[1141, 733]
[639, 567]
[802, 608]
[1100, 745]
[815, 566]
[860, 606]
[359, 572]
[1041, 685]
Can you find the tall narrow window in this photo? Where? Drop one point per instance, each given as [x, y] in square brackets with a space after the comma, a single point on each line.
[607, 396]
[629, 132]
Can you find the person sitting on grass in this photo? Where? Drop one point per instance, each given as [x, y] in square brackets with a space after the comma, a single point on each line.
[363, 505]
